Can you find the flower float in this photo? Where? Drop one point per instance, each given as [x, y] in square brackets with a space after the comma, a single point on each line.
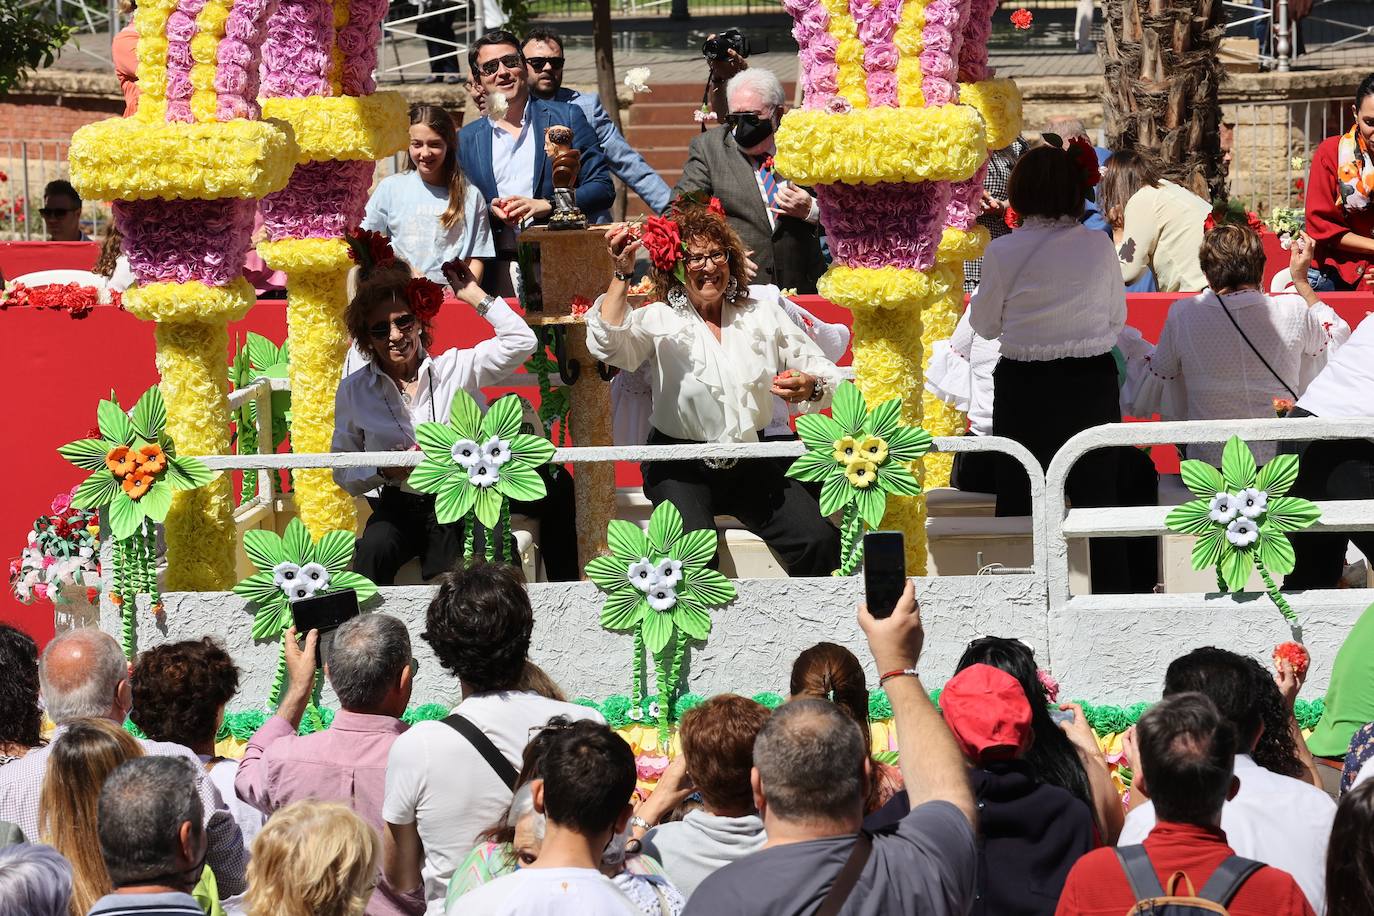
[292, 566]
[136, 471]
[61, 557]
[859, 457]
[184, 174]
[1241, 517]
[899, 114]
[318, 60]
[475, 465]
[657, 584]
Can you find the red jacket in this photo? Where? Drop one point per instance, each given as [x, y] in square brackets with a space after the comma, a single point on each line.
[1327, 221]
[1097, 885]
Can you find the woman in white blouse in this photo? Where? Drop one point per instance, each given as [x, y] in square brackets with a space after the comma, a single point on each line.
[378, 407]
[1230, 351]
[720, 350]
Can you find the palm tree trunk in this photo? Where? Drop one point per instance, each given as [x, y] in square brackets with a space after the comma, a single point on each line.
[1162, 77]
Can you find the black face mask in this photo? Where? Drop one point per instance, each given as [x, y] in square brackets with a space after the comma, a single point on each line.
[750, 129]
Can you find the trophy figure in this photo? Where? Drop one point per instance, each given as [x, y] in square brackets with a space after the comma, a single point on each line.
[566, 161]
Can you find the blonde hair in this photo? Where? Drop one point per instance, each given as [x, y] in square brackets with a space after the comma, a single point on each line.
[313, 859]
[82, 757]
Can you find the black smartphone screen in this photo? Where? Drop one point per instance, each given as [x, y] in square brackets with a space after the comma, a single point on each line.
[884, 571]
[325, 613]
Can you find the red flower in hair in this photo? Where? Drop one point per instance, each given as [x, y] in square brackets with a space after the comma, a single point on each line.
[1021, 19]
[663, 242]
[1085, 157]
[375, 248]
[716, 207]
[1254, 222]
[1210, 223]
[1012, 218]
[425, 297]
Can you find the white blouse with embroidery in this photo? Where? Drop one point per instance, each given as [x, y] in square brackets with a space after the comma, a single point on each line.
[712, 390]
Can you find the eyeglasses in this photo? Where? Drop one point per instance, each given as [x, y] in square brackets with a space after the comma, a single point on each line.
[55, 212]
[382, 330]
[539, 63]
[509, 61]
[698, 261]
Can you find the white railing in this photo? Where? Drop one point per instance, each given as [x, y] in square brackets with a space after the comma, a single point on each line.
[397, 32]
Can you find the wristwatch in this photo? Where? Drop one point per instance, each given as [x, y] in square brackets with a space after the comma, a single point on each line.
[622, 277]
[483, 306]
[817, 388]
[641, 823]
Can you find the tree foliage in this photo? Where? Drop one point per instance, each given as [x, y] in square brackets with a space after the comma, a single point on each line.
[30, 37]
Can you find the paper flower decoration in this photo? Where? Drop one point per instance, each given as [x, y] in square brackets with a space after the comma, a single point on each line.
[637, 79]
[859, 457]
[1241, 517]
[136, 469]
[1021, 19]
[476, 464]
[657, 584]
[292, 566]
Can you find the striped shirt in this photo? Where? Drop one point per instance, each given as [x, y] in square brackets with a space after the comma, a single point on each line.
[22, 781]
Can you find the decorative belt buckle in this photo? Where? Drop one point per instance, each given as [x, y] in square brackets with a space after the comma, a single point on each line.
[720, 464]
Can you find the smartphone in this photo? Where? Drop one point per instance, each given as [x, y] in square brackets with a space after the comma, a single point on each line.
[1058, 716]
[884, 571]
[324, 613]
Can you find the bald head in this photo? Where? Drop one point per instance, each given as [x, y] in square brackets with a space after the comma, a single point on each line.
[809, 757]
[83, 673]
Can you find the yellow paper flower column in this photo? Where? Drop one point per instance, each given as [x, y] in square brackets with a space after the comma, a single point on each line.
[183, 175]
[323, 87]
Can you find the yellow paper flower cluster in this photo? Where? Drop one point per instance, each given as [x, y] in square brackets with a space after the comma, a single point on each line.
[904, 145]
[907, 38]
[851, 81]
[960, 245]
[938, 319]
[189, 303]
[307, 256]
[998, 102]
[344, 127]
[130, 159]
[204, 51]
[200, 526]
[336, 56]
[862, 289]
[150, 21]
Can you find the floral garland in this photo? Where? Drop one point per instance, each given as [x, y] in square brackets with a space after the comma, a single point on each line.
[61, 556]
[73, 298]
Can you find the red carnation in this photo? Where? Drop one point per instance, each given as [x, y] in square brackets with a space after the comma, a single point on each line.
[377, 248]
[1012, 218]
[1299, 184]
[1021, 19]
[1296, 655]
[425, 297]
[716, 207]
[663, 242]
[1085, 157]
[580, 305]
[1210, 223]
[1254, 222]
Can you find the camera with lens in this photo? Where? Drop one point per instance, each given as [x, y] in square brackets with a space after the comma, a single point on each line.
[718, 47]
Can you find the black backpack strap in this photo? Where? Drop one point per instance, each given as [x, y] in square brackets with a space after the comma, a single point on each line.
[1140, 872]
[1228, 878]
[494, 758]
[848, 876]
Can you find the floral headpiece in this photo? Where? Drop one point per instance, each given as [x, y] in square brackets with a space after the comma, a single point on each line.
[663, 241]
[1085, 157]
[1230, 212]
[369, 250]
[425, 296]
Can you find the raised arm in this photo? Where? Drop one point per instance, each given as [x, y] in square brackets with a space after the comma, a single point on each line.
[612, 335]
[931, 764]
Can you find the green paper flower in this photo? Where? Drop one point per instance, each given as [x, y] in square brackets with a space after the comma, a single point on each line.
[294, 566]
[658, 582]
[473, 462]
[1242, 517]
[135, 463]
[859, 457]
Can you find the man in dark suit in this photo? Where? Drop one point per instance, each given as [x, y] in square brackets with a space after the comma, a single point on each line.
[504, 156]
[778, 221]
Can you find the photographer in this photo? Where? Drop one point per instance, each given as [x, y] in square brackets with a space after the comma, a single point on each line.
[777, 221]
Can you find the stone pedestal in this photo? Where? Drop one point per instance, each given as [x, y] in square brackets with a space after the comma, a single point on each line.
[575, 263]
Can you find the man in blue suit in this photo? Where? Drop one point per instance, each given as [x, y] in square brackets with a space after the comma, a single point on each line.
[544, 65]
[504, 156]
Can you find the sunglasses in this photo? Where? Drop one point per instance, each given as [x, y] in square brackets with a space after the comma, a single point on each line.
[745, 117]
[55, 212]
[509, 61]
[402, 323]
[539, 63]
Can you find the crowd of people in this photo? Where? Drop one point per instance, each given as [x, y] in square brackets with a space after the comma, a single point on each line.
[520, 802]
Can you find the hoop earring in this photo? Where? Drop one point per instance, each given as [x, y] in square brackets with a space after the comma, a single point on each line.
[732, 290]
[677, 298]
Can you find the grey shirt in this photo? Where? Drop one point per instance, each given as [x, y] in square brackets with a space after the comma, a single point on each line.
[925, 866]
[698, 845]
[166, 904]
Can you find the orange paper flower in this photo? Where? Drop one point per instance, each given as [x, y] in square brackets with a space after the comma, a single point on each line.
[137, 483]
[151, 459]
[120, 462]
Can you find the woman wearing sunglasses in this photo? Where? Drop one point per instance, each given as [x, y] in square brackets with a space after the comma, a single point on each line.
[430, 211]
[401, 385]
[719, 350]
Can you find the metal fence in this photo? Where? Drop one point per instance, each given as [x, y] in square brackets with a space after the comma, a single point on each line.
[1272, 147]
[27, 166]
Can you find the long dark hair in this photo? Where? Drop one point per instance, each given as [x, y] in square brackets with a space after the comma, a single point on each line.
[1276, 750]
[1052, 755]
[21, 719]
[1350, 857]
[441, 122]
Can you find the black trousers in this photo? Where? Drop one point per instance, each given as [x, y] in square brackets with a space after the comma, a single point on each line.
[1330, 469]
[775, 507]
[440, 26]
[403, 527]
[1043, 404]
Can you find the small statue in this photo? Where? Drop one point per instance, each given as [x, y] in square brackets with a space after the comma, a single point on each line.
[566, 162]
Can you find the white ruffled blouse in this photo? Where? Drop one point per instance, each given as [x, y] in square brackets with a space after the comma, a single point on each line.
[711, 390]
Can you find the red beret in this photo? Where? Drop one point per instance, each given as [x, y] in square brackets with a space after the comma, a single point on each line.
[988, 713]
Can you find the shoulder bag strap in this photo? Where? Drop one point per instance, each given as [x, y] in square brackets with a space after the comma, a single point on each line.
[1140, 872]
[848, 876]
[494, 758]
[1235, 324]
[1228, 878]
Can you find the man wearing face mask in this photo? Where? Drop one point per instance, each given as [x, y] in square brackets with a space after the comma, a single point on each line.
[779, 221]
